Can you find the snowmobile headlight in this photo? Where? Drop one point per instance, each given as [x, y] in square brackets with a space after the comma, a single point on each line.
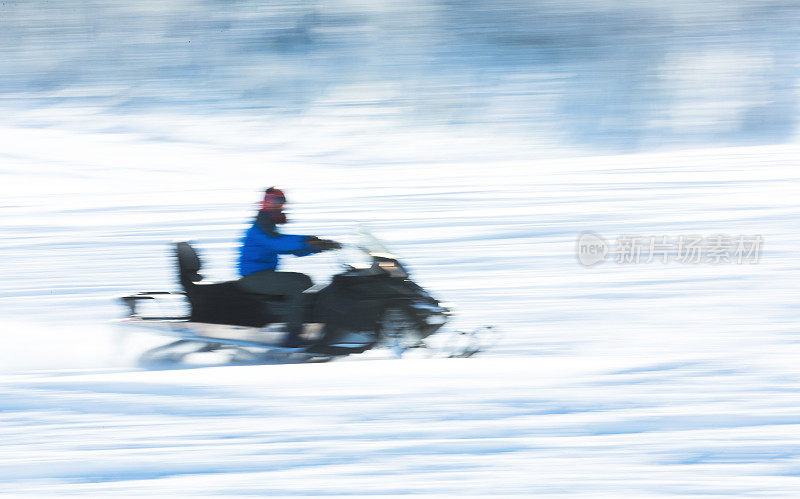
[393, 269]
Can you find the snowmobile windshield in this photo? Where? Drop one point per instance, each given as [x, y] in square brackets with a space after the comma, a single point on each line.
[370, 244]
[361, 252]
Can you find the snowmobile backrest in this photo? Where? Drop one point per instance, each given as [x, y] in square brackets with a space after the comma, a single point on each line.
[188, 262]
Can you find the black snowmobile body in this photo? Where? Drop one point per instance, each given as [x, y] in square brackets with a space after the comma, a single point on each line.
[360, 309]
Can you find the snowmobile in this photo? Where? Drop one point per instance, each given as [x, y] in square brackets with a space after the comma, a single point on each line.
[372, 305]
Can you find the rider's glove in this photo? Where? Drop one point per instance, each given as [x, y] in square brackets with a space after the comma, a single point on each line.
[320, 245]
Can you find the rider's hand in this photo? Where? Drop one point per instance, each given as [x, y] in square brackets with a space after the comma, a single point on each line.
[323, 244]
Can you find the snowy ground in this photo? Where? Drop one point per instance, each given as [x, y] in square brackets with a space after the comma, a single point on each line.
[639, 380]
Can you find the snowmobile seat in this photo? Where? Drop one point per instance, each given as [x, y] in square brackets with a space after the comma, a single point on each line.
[220, 302]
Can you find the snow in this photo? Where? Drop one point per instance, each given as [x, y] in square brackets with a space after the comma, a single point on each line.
[641, 380]
[465, 135]
[483, 426]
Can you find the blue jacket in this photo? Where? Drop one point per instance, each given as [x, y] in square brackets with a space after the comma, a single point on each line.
[260, 249]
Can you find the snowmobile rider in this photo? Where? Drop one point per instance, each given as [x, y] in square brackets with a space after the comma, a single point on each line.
[259, 257]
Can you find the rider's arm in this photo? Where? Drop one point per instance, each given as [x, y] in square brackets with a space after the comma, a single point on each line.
[292, 245]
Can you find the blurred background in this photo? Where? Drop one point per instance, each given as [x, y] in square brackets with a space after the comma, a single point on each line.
[621, 75]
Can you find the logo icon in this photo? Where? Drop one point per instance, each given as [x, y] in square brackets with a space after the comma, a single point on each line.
[591, 249]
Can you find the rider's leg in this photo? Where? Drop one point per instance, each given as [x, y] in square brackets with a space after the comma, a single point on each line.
[288, 284]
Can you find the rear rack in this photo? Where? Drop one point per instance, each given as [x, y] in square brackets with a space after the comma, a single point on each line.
[132, 300]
